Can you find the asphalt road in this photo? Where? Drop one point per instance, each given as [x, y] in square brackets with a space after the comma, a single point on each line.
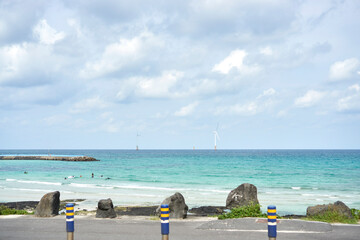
[89, 228]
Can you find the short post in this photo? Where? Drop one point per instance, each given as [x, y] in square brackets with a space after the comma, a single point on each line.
[165, 213]
[272, 222]
[70, 221]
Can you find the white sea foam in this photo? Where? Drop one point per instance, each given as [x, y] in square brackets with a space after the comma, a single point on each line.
[33, 182]
[137, 187]
[308, 194]
[296, 188]
[29, 190]
[38, 182]
[81, 185]
[145, 187]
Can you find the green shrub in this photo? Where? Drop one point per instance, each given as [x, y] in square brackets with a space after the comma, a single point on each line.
[334, 217]
[252, 210]
[10, 211]
[355, 213]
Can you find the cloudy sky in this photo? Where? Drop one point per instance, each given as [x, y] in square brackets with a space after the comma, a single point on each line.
[94, 74]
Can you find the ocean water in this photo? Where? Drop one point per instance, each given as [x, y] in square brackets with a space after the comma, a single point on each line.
[290, 179]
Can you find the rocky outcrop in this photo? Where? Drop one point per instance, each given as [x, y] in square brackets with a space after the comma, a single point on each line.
[177, 206]
[23, 205]
[51, 158]
[207, 210]
[243, 195]
[105, 209]
[48, 205]
[136, 211]
[338, 207]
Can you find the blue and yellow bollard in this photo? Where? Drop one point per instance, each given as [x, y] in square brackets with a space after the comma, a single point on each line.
[70, 221]
[272, 222]
[165, 213]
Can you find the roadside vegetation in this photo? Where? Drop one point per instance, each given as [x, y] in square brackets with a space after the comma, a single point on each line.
[335, 217]
[252, 210]
[329, 216]
[10, 211]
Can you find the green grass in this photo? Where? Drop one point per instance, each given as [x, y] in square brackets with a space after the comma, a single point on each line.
[10, 211]
[334, 217]
[252, 210]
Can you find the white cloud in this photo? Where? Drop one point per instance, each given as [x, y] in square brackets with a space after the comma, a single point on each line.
[351, 102]
[89, 104]
[344, 69]
[47, 34]
[11, 57]
[235, 60]
[267, 51]
[110, 125]
[268, 92]
[310, 98]
[29, 64]
[162, 86]
[56, 119]
[262, 102]
[186, 110]
[120, 54]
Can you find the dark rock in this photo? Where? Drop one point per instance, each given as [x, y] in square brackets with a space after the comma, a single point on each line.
[338, 206]
[207, 210]
[136, 211]
[105, 209]
[25, 205]
[177, 206]
[51, 158]
[243, 195]
[293, 216]
[48, 205]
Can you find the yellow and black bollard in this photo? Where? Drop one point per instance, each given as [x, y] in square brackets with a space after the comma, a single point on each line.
[165, 213]
[70, 221]
[272, 222]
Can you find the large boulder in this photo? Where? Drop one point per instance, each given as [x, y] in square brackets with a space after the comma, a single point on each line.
[243, 195]
[49, 205]
[338, 207]
[105, 209]
[177, 206]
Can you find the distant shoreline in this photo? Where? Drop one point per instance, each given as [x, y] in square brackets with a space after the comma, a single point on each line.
[51, 158]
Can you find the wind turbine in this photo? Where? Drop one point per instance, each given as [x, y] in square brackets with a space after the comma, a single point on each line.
[216, 135]
[137, 136]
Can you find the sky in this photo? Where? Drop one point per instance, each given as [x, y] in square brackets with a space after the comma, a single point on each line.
[114, 74]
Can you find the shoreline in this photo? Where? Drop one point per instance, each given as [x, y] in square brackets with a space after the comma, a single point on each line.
[128, 211]
[51, 158]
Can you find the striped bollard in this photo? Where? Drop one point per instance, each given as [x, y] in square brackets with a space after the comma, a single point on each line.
[165, 212]
[272, 222]
[70, 221]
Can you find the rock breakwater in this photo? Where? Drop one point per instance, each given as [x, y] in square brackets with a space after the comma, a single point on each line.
[51, 158]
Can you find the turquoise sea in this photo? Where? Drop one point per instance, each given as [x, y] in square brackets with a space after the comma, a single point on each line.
[290, 179]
